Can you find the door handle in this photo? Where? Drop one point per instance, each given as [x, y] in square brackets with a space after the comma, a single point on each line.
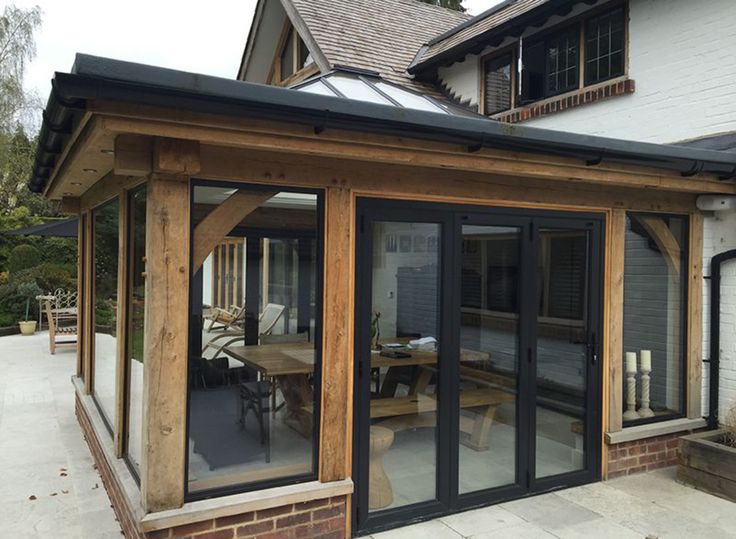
[592, 347]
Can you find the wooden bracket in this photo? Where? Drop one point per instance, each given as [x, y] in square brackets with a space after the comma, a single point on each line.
[70, 205]
[176, 156]
[133, 155]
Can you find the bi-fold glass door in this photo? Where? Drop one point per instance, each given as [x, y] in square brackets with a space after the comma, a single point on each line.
[476, 357]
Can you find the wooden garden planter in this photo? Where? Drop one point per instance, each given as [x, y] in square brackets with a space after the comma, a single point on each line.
[707, 464]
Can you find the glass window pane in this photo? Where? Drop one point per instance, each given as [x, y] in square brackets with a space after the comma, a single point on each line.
[655, 291]
[497, 89]
[562, 62]
[404, 363]
[136, 311]
[604, 47]
[253, 366]
[287, 57]
[562, 352]
[106, 234]
[533, 72]
[489, 356]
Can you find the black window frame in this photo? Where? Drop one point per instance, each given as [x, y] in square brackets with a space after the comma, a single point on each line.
[610, 14]
[195, 344]
[684, 317]
[579, 27]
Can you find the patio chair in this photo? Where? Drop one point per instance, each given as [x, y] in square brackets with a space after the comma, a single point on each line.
[227, 319]
[62, 326]
[266, 322]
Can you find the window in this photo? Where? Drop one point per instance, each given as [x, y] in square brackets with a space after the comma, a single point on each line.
[255, 338]
[604, 47]
[293, 57]
[655, 315]
[135, 318]
[551, 64]
[105, 293]
[562, 62]
[498, 88]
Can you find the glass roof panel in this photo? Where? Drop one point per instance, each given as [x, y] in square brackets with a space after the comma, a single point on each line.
[357, 89]
[317, 87]
[408, 99]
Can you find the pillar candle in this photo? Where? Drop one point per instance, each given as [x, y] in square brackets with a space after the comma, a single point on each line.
[630, 361]
[646, 360]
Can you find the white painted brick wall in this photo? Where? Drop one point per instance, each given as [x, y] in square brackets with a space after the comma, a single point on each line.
[720, 236]
[682, 56]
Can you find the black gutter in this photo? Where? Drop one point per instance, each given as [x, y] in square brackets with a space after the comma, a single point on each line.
[95, 78]
[423, 68]
[715, 334]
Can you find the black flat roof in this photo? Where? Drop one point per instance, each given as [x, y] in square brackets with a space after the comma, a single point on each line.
[95, 78]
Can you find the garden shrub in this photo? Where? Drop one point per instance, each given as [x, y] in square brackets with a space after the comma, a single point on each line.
[730, 425]
[46, 277]
[23, 257]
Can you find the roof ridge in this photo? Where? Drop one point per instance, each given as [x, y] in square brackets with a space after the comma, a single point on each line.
[442, 8]
[470, 22]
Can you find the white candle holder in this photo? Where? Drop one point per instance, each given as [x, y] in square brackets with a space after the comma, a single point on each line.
[630, 414]
[645, 410]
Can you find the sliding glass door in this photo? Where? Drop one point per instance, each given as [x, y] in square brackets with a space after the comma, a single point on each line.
[476, 357]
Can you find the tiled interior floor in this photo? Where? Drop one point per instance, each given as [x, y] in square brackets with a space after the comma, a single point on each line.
[49, 487]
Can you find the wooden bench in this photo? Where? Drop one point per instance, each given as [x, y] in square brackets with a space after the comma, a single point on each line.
[420, 410]
[60, 333]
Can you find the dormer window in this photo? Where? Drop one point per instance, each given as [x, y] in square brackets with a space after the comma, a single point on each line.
[292, 58]
[584, 53]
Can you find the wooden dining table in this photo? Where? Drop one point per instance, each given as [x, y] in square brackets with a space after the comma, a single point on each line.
[292, 364]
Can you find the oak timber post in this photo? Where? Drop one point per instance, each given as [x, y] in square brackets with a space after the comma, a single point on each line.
[337, 352]
[166, 325]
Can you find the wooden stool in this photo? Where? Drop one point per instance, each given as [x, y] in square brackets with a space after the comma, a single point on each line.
[380, 493]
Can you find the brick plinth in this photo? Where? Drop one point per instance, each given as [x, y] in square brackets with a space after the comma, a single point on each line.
[117, 498]
[642, 455]
[323, 518]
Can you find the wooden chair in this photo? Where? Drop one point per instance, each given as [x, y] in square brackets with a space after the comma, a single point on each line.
[61, 327]
[256, 396]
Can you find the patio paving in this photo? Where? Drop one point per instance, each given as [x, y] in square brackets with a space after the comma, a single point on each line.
[50, 488]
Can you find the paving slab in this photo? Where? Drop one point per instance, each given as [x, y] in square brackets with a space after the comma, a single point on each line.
[50, 487]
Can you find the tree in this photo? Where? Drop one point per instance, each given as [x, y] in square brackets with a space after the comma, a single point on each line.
[17, 148]
[457, 5]
[17, 49]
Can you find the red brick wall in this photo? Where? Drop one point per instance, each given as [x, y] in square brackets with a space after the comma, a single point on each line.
[319, 518]
[326, 518]
[578, 99]
[117, 499]
[642, 455]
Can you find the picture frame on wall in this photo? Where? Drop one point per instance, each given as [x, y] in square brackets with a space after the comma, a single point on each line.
[420, 244]
[405, 244]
